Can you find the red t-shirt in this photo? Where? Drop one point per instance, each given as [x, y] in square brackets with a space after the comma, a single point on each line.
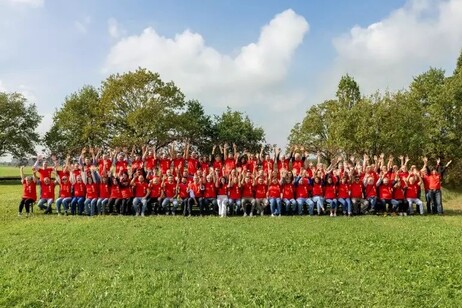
[317, 190]
[48, 191]
[156, 190]
[141, 189]
[330, 191]
[150, 163]
[385, 192]
[115, 192]
[230, 164]
[356, 190]
[196, 189]
[126, 191]
[104, 190]
[164, 165]
[121, 166]
[65, 190]
[434, 181]
[274, 191]
[104, 163]
[183, 190]
[288, 191]
[92, 190]
[169, 189]
[398, 194]
[412, 191]
[235, 192]
[343, 190]
[210, 190]
[247, 190]
[303, 188]
[79, 190]
[222, 189]
[297, 165]
[260, 191]
[29, 191]
[63, 173]
[44, 173]
[371, 191]
[137, 165]
[192, 165]
[267, 164]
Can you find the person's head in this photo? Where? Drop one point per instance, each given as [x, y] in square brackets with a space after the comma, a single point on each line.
[89, 180]
[317, 179]
[64, 179]
[196, 179]
[243, 159]
[115, 181]
[357, 179]
[282, 157]
[218, 157]
[267, 157]
[87, 161]
[260, 180]
[247, 179]
[168, 172]
[208, 178]
[368, 169]
[124, 175]
[223, 180]
[384, 169]
[120, 157]
[411, 180]
[163, 155]
[343, 180]
[46, 180]
[156, 180]
[44, 164]
[170, 179]
[184, 180]
[404, 168]
[179, 155]
[370, 181]
[329, 180]
[230, 155]
[29, 180]
[274, 180]
[298, 157]
[185, 173]
[137, 157]
[194, 155]
[385, 180]
[140, 178]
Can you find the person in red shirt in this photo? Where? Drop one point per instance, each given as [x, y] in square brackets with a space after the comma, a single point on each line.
[231, 159]
[274, 195]
[44, 171]
[370, 192]
[170, 192]
[385, 190]
[164, 163]
[288, 191]
[183, 196]
[330, 193]
[126, 192]
[141, 194]
[398, 197]
[65, 194]
[302, 192]
[155, 195]
[104, 191]
[434, 185]
[104, 164]
[47, 194]
[222, 195]
[318, 193]
[260, 187]
[149, 158]
[234, 191]
[196, 193]
[29, 192]
[91, 198]
[343, 195]
[247, 196]
[115, 196]
[210, 194]
[413, 183]
[358, 203]
[78, 199]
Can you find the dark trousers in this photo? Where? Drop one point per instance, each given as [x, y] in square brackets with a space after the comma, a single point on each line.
[25, 203]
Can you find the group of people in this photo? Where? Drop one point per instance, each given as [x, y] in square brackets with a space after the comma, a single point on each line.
[227, 182]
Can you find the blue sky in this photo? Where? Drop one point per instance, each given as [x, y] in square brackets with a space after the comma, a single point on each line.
[271, 59]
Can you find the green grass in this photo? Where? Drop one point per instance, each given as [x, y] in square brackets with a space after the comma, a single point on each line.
[9, 171]
[173, 261]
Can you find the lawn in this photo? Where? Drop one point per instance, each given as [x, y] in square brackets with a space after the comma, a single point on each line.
[10, 171]
[172, 261]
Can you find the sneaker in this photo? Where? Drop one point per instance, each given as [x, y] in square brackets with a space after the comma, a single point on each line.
[142, 214]
[173, 214]
[331, 214]
[245, 214]
[59, 214]
[385, 214]
[335, 214]
[279, 215]
[393, 214]
[137, 214]
[261, 214]
[19, 214]
[404, 214]
[251, 215]
[272, 215]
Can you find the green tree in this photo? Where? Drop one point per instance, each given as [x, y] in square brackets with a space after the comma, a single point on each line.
[196, 127]
[18, 122]
[236, 127]
[143, 109]
[348, 93]
[82, 120]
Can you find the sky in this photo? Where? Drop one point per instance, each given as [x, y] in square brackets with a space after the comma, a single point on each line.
[270, 59]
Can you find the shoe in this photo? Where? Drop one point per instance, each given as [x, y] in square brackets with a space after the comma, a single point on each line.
[142, 214]
[335, 214]
[331, 214]
[385, 214]
[279, 215]
[137, 214]
[59, 214]
[19, 214]
[173, 214]
[245, 215]
[272, 215]
[404, 214]
[393, 214]
[27, 215]
[251, 215]
[261, 214]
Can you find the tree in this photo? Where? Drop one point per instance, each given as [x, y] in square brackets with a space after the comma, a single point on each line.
[348, 93]
[18, 122]
[82, 120]
[143, 109]
[236, 127]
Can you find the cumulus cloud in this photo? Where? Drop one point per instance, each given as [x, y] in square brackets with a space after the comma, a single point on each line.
[387, 53]
[30, 3]
[204, 73]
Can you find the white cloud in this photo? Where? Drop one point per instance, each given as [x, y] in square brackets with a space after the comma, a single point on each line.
[114, 29]
[30, 3]
[206, 74]
[388, 53]
[2, 87]
[82, 25]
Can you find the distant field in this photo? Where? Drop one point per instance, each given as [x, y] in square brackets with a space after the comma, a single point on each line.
[8, 171]
[172, 261]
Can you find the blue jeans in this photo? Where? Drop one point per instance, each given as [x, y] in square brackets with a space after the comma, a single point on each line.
[290, 203]
[308, 202]
[346, 205]
[273, 203]
[372, 203]
[90, 206]
[65, 202]
[101, 204]
[417, 202]
[332, 203]
[48, 202]
[234, 205]
[77, 201]
[319, 203]
[166, 204]
[137, 201]
[435, 196]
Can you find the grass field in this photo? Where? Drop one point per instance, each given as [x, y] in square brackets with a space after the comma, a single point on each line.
[9, 171]
[172, 261]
